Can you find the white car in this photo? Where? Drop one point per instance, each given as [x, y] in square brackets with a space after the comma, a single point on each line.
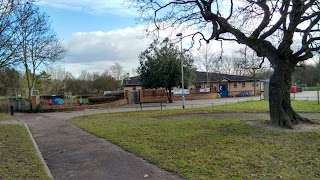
[180, 92]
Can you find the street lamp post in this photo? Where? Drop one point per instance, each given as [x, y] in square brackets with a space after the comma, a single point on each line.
[181, 59]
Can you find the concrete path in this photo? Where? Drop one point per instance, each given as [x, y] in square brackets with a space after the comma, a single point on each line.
[71, 153]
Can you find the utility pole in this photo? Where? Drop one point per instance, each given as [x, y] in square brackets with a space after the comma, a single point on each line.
[181, 59]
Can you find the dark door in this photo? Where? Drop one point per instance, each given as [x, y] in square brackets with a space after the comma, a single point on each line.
[134, 97]
[223, 89]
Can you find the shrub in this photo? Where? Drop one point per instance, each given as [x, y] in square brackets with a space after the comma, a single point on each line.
[102, 99]
[119, 95]
[84, 96]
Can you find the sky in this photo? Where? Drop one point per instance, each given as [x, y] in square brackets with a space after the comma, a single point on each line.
[100, 33]
[96, 33]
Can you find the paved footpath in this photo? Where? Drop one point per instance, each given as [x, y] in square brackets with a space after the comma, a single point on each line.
[71, 153]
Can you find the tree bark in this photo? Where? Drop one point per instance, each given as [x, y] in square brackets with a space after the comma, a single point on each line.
[281, 111]
[169, 95]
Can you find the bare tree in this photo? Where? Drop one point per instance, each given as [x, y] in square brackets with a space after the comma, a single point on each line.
[207, 60]
[117, 71]
[224, 65]
[83, 75]
[246, 59]
[285, 32]
[57, 74]
[40, 45]
[9, 43]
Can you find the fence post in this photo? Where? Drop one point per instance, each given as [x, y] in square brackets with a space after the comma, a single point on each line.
[318, 94]
[11, 110]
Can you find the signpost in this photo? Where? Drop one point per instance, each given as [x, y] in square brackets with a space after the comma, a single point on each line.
[318, 85]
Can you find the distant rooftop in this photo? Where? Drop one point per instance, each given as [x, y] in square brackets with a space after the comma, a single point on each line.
[201, 77]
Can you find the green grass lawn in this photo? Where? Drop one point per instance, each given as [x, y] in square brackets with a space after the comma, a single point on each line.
[18, 158]
[315, 88]
[209, 148]
[263, 106]
[4, 117]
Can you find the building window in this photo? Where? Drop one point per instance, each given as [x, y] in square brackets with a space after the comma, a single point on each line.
[234, 85]
[257, 84]
[243, 84]
[134, 88]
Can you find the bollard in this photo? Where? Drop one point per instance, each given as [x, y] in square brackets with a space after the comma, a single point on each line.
[140, 106]
[11, 110]
[191, 106]
[161, 105]
[212, 104]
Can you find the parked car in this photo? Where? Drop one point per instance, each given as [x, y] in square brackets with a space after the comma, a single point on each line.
[180, 92]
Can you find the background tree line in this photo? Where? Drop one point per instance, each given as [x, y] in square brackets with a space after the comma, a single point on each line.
[55, 80]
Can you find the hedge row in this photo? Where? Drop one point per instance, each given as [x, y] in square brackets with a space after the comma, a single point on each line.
[102, 99]
[119, 95]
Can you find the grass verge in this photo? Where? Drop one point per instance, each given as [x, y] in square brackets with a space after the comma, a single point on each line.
[263, 106]
[18, 158]
[5, 117]
[315, 88]
[209, 148]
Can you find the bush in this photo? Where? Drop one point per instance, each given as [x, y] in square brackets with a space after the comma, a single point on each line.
[84, 96]
[119, 95]
[3, 108]
[102, 99]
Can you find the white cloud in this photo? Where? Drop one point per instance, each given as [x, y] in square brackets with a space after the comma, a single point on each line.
[96, 51]
[118, 7]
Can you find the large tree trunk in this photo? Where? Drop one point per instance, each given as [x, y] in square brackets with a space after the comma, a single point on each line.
[169, 95]
[281, 112]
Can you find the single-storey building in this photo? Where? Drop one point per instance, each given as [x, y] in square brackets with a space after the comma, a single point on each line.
[224, 84]
[227, 85]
